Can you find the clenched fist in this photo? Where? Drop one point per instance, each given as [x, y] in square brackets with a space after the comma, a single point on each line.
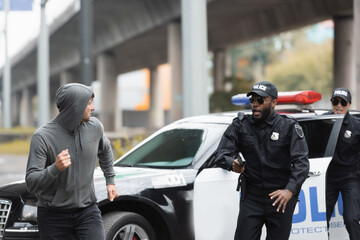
[63, 160]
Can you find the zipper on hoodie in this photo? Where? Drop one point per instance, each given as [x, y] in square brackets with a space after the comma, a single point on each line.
[77, 192]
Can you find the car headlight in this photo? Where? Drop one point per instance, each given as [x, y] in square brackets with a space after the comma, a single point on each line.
[29, 211]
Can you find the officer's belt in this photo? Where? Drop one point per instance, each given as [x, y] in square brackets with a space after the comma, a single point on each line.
[261, 192]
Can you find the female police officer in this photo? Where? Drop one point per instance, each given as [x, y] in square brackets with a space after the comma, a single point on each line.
[341, 173]
[277, 164]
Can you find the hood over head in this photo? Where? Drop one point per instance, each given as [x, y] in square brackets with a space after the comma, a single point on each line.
[71, 100]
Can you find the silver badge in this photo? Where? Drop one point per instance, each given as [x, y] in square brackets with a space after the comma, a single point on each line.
[275, 136]
[347, 134]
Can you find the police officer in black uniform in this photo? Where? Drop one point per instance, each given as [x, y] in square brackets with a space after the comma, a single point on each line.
[277, 165]
[342, 171]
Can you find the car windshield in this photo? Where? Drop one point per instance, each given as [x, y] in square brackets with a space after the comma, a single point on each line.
[171, 149]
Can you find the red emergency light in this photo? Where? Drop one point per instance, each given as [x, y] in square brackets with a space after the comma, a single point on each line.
[298, 97]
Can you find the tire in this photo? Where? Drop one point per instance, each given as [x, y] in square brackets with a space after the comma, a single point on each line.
[127, 226]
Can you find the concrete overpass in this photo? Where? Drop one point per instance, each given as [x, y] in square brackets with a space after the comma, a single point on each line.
[136, 34]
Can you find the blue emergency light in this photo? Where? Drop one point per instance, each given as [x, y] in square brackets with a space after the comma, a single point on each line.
[240, 100]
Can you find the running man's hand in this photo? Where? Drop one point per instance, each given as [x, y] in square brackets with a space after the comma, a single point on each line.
[282, 198]
[112, 193]
[237, 166]
[63, 160]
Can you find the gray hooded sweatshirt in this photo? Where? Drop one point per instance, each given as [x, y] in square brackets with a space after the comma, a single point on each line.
[72, 188]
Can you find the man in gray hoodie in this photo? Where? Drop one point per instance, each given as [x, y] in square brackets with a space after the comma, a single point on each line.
[60, 168]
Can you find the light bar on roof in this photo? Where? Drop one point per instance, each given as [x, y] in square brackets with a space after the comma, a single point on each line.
[292, 97]
[299, 97]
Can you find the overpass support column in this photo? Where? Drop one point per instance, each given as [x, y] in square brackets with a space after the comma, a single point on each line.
[356, 101]
[344, 45]
[174, 59]
[106, 74]
[156, 101]
[26, 109]
[219, 69]
[15, 113]
[194, 29]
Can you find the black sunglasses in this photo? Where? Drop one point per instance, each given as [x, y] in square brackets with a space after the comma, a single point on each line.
[335, 102]
[260, 100]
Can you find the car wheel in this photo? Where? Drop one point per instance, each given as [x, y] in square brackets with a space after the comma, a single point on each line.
[127, 226]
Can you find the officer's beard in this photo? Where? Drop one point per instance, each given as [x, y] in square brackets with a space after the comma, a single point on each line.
[264, 114]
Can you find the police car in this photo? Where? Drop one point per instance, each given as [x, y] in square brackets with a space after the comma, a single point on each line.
[170, 188]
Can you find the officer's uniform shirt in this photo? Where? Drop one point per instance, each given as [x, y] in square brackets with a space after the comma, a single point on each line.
[275, 151]
[341, 175]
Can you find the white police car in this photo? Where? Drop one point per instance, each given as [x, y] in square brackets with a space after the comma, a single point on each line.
[169, 187]
[216, 204]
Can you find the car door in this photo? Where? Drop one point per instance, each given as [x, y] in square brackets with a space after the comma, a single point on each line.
[313, 190]
[216, 202]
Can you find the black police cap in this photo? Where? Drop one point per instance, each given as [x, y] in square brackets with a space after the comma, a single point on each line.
[264, 89]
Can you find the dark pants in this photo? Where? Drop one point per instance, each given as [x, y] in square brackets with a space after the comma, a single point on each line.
[83, 223]
[255, 211]
[344, 180]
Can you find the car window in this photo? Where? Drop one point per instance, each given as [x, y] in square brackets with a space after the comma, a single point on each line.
[170, 149]
[317, 133]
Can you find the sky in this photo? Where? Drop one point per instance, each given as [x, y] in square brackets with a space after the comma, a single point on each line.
[23, 26]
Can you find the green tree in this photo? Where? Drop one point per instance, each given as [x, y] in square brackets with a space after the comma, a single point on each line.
[220, 101]
[305, 68]
[250, 59]
[288, 59]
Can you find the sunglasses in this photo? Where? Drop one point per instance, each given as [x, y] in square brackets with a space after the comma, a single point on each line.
[260, 100]
[335, 102]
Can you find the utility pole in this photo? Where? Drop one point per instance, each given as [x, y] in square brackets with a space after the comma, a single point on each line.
[43, 86]
[86, 37]
[7, 74]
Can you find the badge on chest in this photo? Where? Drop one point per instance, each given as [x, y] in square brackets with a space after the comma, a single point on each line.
[275, 136]
[347, 134]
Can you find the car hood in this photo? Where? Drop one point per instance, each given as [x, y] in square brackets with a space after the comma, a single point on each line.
[132, 180]
[15, 191]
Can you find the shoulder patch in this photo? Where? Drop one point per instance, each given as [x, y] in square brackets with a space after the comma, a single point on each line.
[299, 130]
